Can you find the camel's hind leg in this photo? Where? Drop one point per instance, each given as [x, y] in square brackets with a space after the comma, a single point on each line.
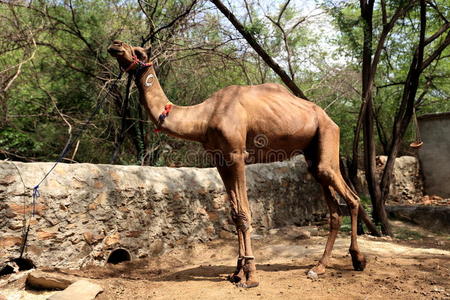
[335, 224]
[323, 155]
[358, 259]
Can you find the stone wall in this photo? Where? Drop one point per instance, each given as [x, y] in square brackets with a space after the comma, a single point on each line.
[435, 153]
[433, 218]
[406, 185]
[85, 211]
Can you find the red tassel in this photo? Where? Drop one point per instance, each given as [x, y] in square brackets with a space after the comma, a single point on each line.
[167, 108]
[163, 115]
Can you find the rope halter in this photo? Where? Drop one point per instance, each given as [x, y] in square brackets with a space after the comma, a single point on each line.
[139, 64]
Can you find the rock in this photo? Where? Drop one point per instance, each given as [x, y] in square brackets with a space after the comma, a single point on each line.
[156, 248]
[7, 180]
[312, 275]
[295, 232]
[406, 183]
[273, 231]
[79, 290]
[313, 230]
[112, 239]
[255, 236]
[226, 235]
[20, 209]
[89, 237]
[45, 235]
[303, 235]
[434, 218]
[9, 241]
[48, 281]
[14, 277]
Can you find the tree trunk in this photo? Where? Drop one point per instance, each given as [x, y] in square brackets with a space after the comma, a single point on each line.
[363, 217]
[127, 127]
[378, 212]
[381, 133]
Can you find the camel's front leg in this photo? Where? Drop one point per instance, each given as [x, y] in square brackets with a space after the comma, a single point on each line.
[233, 175]
[245, 272]
[226, 175]
[238, 275]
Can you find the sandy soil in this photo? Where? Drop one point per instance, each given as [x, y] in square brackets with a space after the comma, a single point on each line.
[397, 269]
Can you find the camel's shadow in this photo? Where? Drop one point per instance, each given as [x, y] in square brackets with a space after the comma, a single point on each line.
[219, 273]
[214, 273]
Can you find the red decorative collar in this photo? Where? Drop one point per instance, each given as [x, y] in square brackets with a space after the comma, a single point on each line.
[163, 116]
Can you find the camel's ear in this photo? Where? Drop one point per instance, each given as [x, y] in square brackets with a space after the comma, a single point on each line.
[149, 52]
[141, 53]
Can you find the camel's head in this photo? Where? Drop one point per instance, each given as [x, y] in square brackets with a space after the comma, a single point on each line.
[126, 55]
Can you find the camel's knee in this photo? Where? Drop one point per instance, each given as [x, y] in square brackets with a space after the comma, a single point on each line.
[241, 220]
[353, 204]
[324, 174]
[335, 221]
[237, 156]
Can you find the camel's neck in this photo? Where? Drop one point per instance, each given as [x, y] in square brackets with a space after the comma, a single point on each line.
[187, 122]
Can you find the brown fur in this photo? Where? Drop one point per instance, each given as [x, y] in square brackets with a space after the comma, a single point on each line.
[248, 124]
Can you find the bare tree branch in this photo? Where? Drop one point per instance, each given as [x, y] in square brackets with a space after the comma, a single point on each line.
[436, 53]
[438, 33]
[171, 23]
[261, 52]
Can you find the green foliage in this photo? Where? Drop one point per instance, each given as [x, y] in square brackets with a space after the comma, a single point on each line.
[256, 27]
[12, 140]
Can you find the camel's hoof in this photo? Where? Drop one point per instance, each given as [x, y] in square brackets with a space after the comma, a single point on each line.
[358, 261]
[314, 273]
[234, 278]
[249, 284]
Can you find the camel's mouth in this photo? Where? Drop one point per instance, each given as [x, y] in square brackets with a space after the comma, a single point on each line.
[115, 52]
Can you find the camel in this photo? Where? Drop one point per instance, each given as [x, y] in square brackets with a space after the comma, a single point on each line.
[238, 125]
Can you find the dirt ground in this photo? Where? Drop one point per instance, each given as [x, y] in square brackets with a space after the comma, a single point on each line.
[417, 266]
